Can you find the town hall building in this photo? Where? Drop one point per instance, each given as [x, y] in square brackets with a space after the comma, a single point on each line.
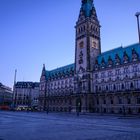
[107, 82]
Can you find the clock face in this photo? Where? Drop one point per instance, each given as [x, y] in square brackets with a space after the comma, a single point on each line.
[81, 45]
[94, 44]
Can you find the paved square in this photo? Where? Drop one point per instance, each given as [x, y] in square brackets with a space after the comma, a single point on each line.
[52, 126]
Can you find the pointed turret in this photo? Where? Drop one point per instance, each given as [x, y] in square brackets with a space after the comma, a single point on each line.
[43, 70]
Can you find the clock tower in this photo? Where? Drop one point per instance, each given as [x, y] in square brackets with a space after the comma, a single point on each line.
[88, 46]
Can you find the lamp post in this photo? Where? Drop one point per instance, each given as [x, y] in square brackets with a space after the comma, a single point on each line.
[137, 16]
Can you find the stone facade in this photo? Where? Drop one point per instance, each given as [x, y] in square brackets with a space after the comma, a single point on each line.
[26, 94]
[106, 82]
[117, 87]
[57, 87]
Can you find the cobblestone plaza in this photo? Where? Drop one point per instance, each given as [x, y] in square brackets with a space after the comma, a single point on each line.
[59, 126]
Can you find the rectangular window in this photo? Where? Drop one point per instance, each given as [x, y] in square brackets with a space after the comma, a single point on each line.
[136, 84]
[126, 70]
[138, 100]
[96, 76]
[103, 75]
[127, 85]
[110, 73]
[118, 72]
[135, 68]
[120, 101]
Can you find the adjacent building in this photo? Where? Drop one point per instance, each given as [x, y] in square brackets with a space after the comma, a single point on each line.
[107, 82]
[26, 94]
[6, 96]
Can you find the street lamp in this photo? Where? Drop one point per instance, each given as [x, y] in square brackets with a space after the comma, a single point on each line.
[137, 15]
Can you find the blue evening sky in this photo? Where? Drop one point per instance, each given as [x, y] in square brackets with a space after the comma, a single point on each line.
[33, 32]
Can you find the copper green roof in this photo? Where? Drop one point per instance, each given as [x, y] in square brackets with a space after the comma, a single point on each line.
[62, 71]
[120, 52]
[87, 6]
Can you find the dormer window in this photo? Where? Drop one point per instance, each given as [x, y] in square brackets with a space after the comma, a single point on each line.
[103, 63]
[117, 60]
[134, 55]
[125, 58]
[110, 62]
[96, 65]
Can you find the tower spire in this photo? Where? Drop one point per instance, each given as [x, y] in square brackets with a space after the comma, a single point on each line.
[43, 70]
[87, 6]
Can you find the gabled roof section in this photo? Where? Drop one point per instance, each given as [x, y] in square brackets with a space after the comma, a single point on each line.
[120, 51]
[68, 69]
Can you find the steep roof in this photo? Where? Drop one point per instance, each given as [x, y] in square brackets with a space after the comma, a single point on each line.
[68, 69]
[87, 6]
[120, 52]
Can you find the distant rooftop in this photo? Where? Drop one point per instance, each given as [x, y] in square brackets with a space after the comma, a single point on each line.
[26, 84]
[5, 87]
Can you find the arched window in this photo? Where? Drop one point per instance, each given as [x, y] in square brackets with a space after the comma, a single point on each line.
[120, 100]
[106, 88]
[114, 87]
[122, 86]
[132, 85]
[111, 101]
[129, 101]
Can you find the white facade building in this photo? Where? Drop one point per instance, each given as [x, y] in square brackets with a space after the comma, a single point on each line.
[26, 94]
